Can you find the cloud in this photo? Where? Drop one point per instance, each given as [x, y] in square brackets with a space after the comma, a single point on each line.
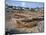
[29, 0]
[15, 0]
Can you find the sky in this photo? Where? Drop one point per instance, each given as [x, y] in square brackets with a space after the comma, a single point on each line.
[24, 4]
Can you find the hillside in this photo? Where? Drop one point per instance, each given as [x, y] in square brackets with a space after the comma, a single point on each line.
[24, 20]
